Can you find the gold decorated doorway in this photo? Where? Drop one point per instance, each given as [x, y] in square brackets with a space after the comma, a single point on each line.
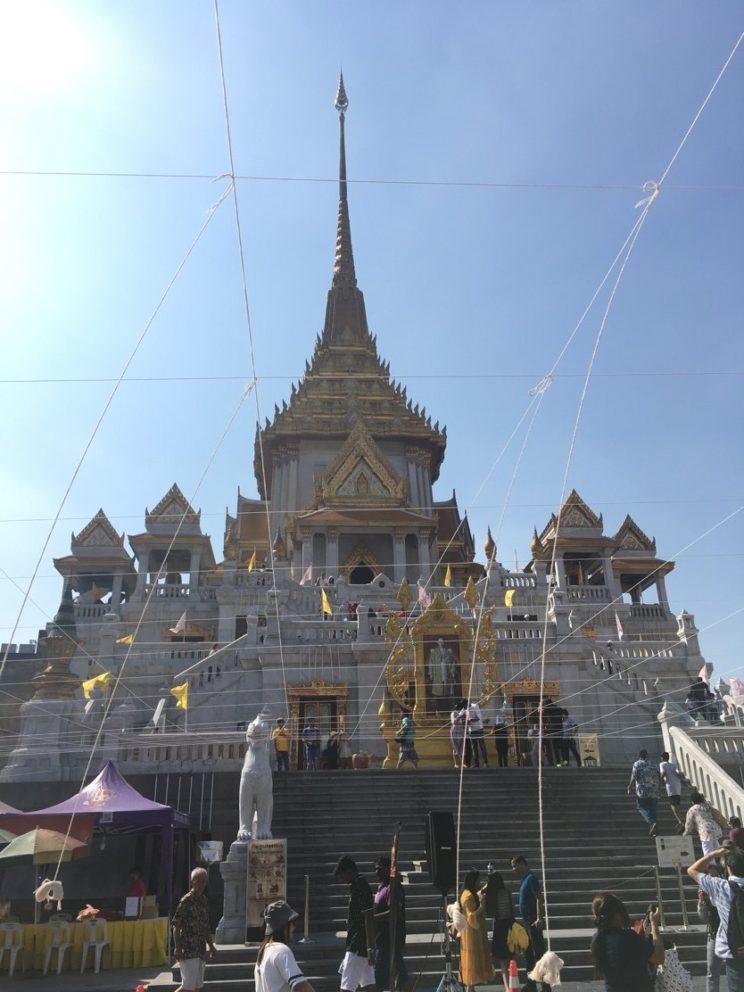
[324, 702]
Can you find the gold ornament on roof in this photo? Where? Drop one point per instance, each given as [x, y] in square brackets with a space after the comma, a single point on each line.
[399, 669]
[404, 595]
[485, 654]
[471, 593]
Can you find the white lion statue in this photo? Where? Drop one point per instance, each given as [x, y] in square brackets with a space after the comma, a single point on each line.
[256, 787]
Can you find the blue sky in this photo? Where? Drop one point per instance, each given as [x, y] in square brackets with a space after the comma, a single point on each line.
[472, 290]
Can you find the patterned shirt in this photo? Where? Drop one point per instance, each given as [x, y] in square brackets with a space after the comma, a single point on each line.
[701, 819]
[191, 918]
[646, 780]
[718, 891]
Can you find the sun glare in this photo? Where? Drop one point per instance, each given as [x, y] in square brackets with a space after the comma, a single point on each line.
[43, 48]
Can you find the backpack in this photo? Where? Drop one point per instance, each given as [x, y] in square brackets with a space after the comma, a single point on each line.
[735, 929]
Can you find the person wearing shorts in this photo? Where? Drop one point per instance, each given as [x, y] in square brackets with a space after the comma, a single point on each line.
[406, 736]
[672, 779]
[357, 968]
[191, 934]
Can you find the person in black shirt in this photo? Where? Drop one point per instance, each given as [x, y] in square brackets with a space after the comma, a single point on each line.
[357, 969]
[621, 956]
[388, 892]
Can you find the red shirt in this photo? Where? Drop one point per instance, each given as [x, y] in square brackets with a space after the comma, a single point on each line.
[137, 888]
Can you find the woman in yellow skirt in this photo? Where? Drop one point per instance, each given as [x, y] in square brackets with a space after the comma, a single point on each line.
[476, 967]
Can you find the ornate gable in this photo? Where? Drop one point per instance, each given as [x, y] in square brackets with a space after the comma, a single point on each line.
[98, 533]
[359, 471]
[575, 513]
[171, 509]
[630, 537]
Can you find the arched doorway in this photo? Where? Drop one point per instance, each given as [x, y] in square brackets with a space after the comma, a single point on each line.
[361, 575]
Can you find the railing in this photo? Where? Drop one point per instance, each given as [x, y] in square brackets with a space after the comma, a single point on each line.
[316, 631]
[255, 580]
[519, 631]
[94, 611]
[182, 752]
[648, 612]
[700, 767]
[516, 581]
[600, 594]
[168, 591]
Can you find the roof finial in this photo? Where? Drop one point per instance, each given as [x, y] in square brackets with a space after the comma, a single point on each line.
[343, 267]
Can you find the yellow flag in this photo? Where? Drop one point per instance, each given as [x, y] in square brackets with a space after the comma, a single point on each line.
[325, 606]
[252, 562]
[101, 680]
[509, 597]
[129, 639]
[181, 693]
[448, 577]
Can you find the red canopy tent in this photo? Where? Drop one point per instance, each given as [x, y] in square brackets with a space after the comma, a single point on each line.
[109, 800]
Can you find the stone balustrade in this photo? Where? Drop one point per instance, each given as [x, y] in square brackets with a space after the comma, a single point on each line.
[688, 746]
[516, 580]
[650, 611]
[91, 611]
[599, 594]
[185, 752]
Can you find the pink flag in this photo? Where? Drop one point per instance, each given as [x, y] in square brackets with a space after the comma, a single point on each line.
[704, 674]
[620, 631]
[737, 690]
[180, 627]
[423, 596]
[307, 575]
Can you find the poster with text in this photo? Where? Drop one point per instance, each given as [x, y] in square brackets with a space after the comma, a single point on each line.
[267, 877]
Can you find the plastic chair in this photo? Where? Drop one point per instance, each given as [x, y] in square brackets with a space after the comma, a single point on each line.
[11, 940]
[58, 938]
[95, 935]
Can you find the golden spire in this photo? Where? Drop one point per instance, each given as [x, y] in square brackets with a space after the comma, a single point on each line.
[490, 547]
[343, 266]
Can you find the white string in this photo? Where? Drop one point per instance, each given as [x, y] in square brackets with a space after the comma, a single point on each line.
[653, 192]
[150, 595]
[210, 214]
[249, 327]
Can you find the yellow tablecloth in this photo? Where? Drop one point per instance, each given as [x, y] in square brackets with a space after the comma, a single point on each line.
[133, 944]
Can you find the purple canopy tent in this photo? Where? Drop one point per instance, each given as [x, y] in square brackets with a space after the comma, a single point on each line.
[115, 803]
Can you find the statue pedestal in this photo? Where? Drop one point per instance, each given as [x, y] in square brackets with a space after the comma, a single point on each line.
[234, 871]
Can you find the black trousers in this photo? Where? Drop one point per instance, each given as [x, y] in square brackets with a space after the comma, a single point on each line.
[535, 951]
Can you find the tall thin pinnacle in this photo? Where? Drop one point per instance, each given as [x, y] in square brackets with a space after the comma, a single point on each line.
[343, 266]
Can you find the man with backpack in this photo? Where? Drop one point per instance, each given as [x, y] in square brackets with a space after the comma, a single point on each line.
[727, 896]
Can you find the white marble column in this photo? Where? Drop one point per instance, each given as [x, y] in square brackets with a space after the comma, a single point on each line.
[331, 552]
[661, 589]
[399, 556]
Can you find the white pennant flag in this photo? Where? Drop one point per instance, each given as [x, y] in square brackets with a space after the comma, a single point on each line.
[620, 631]
[423, 596]
[180, 627]
[307, 575]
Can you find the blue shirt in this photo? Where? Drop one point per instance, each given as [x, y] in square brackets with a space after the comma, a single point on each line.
[528, 892]
[719, 893]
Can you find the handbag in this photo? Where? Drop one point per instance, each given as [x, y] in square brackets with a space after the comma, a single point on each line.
[400, 737]
[672, 976]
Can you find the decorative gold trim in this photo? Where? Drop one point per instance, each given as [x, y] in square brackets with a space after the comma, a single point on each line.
[471, 593]
[404, 595]
[359, 446]
[171, 509]
[438, 620]
[316, 689]
[360, 555]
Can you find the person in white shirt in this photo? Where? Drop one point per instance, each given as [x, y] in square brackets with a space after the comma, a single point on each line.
[276, 968]
[672, 779]
[477, 736]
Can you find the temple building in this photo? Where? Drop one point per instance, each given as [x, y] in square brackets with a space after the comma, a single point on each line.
[346, 591]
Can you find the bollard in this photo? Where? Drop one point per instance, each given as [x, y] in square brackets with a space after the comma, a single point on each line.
[306, 938]
[513, 975]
